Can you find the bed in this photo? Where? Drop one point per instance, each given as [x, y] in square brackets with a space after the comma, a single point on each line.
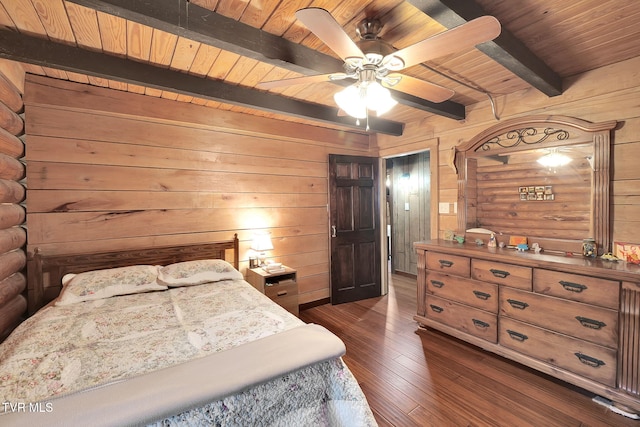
[168, 337]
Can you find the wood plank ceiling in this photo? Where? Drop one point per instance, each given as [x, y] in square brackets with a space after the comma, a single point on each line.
[214, 52]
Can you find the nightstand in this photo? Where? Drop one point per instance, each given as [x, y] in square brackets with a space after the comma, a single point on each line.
[281, 287]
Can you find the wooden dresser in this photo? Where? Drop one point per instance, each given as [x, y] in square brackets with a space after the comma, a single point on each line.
[573, 318]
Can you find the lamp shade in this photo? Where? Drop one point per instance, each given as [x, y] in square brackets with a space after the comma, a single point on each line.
[262, 242]
[357, 98]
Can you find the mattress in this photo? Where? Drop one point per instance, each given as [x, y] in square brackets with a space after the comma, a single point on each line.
[217, 353]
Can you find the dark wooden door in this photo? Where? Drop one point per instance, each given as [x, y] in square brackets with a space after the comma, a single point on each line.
[355, 228]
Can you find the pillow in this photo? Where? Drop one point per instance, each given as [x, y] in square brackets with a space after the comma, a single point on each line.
[99, 284]
[197, 272]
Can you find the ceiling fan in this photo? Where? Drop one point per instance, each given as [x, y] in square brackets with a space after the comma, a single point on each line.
[375, 64]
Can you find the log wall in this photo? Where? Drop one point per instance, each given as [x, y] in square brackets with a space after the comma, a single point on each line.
[13, 303]
[607, 93]
[114, 170]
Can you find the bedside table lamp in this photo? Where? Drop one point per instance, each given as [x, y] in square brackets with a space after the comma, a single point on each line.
[262, 243]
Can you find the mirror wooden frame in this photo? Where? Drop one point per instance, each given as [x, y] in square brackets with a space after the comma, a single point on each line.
[551, 131]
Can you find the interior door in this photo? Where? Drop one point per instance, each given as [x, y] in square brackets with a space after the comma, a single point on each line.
[355, 228]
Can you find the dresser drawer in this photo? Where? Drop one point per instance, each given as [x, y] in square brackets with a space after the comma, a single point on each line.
[596, 324]
[449, 264]
[285, 294]
[470, 292]
[511, 275]
[464, 318]
[281, 289]
[591, 290]
[590, 360]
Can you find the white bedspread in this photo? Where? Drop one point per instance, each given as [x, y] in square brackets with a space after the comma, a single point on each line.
[56, 355]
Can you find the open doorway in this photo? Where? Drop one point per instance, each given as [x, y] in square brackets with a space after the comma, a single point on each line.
[408, 209]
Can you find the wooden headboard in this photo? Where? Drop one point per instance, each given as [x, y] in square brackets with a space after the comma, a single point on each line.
[45, 272]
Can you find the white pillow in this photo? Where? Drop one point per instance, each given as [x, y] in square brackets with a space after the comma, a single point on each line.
[99, 284]
[189, 273]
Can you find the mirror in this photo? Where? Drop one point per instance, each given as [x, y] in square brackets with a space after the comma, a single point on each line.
[504, 187]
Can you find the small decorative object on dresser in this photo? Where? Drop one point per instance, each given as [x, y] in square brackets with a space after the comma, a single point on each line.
[281, 286]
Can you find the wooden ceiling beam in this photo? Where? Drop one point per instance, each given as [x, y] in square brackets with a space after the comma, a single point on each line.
[506, 49]
[42, 52]
[183, 18]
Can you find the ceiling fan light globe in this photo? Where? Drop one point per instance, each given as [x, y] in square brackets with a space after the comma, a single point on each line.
[351, 101]
[379, 98]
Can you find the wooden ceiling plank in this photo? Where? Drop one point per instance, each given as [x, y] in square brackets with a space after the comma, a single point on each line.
[22, 48]
[24, 16]
[163, 46]
[193, 22]
[5, 19]
[232, 8]
[257, 74]
[284, 17]
[207, 4]
[138, 41]
[257, 12]
[53, 17]
[84, 22]
[98, 81]
[77, 77]
[184, 54]
[56, 74]
[224, 63]
[241, 68]
[505, 49]
[113, 33]
[204, 60]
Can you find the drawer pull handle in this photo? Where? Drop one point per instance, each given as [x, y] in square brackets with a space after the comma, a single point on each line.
[517, 304]
[590, 361]
[517, 336]
[437, 283]
[482, 295]
[480, 324]
[499, 273]
[572, 287]
[590, 323]
[282, 293]
[445, 263]
[436, 308]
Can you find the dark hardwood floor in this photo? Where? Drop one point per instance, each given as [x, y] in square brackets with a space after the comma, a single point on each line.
[419, 377]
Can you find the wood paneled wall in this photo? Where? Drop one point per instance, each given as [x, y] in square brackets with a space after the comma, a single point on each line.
[108, 169]
[13, 303]
[607, 93]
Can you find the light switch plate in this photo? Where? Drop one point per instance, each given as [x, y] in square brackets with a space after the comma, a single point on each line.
[443, 208]
[406, 206]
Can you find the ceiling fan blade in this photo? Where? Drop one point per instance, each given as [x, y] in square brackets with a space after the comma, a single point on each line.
[419, 88]
[465, 36]
[326, 28]
[302, 80]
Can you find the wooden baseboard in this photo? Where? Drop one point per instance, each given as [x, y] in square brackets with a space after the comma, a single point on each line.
[316, 303]
[404, 274]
